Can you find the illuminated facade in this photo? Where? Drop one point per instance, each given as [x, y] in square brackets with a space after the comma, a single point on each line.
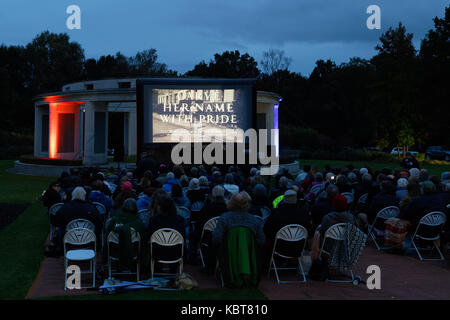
[86, 119]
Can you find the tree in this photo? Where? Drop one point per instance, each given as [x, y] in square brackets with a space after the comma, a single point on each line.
[229, 64]
[145, 63]
[274, 60]
[53, 60]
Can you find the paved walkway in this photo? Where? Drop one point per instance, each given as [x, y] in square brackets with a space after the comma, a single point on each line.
[402, 277]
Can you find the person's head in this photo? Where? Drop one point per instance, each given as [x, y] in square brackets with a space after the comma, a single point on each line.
[318, 177]
[127, 187]
[203, 181]
[329, 177]
[428, 187]
[97, 185]
[229, 178]
[352, 178]
[363, 171]
[170, 175]
[447, 187]
[194, 184]
[283, 182]
[366, 178]
[259, 191]
[423, 175]
[194, 172]
[55, 186]
[402, 183]
[387, 186]
[414, 173]
[339, 203]
[166, 206]
[253, 171]
[177, 191]
[413, 189]
[79, 194]
[238, 202]
[290, 197]
[154, 202]
[218, 192]
[130, 206]
[341, 180]
[332, 191]
[437, 182]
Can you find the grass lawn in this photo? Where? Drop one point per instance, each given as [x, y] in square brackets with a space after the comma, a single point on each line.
[432, 169]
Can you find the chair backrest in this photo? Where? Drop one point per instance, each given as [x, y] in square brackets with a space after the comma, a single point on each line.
[349, 197]
[260, 218]
[143, 211]
[100, 207]
[388, 212]
[265, 213]
[434, 220]
[316, 189]
[363, 198]
[55, 208]
[197, 206]
[166, 237]
[335, 232]
[80, 223]
[210, 225]
[292, 233]
[184, 212]
[113, 237]
[79, 237]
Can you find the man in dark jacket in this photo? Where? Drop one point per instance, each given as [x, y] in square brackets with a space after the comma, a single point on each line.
[77, 208]
[384, 199]
[426, 203]
[323, 206]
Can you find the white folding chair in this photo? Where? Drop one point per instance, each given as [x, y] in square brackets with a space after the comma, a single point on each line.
[166, 237]
[349, 196]
[363, 198]
[335, 233]
[197, 206]
[436, 221]
[265, 213]
[113, 237]
[291, 233]
[79, 237]
[384, 214]
[51, 215]
[80, 223]
[209, 226]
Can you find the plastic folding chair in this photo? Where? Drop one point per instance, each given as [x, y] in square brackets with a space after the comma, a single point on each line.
[335, 233]
[384, 214]
[80, 237]
[363, 198]
[291, 233]
[166, 237]
[113, 237]
[80, 223]
[265, 213]
[209, 226]
[51, 215]
[349, 196]
[435, 220]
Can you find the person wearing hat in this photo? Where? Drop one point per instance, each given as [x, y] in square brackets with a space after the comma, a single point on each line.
[229, 185]
[429, 201]
[289, 211]
[194, 193]
[340, 214]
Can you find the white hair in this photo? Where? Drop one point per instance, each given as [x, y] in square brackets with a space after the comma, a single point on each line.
[79, 194]
[414, 173]
[170, 175]
[363, 171]
[402, 183]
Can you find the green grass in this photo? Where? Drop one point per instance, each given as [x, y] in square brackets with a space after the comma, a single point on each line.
[196, 294]
[374, 165]
[22, 242]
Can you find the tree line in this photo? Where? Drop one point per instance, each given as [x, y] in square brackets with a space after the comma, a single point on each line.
[399, 97]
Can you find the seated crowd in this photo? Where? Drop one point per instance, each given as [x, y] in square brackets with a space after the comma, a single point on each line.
[148, 199]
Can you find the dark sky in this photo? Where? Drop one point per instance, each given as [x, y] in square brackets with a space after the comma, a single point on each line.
[184, 32]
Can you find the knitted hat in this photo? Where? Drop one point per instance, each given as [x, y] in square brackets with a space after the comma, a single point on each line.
[127, 187]
[194, 184]
[340, 203]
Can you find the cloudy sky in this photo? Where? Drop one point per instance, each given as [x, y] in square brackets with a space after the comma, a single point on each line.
[184, 32]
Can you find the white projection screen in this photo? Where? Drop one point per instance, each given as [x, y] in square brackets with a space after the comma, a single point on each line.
[207, 109]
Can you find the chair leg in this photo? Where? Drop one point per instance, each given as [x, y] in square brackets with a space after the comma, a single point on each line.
[201, 256]
[152, 267]
[109, 267]
[65, 273]
[375, 240]
[417, 249]
[93, 275]
[301, 268]
[438, 250]
[270, 267]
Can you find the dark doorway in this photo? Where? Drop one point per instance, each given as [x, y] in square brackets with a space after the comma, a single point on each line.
[116, 136]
